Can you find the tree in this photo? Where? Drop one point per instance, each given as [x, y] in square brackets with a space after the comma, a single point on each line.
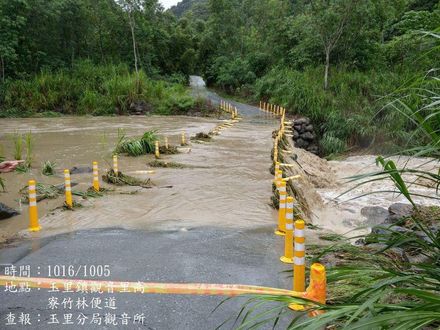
[131, 7]
[330, 19]
[12, 19]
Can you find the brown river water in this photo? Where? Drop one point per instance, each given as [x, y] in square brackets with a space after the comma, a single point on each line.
[228, 184]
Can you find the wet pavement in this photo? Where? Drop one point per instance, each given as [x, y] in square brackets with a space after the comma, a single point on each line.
[202, 255]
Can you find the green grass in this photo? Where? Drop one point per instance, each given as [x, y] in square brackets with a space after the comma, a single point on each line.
[136, 147]
[48, 168]
[90, 89]
[17, 140]
[29, 149]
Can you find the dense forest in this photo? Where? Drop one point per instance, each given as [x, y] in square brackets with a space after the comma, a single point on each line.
[335, 61]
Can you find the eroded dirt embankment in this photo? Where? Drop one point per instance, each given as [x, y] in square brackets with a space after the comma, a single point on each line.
[331, 201]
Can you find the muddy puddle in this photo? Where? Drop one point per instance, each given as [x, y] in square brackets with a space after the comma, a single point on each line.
[225, 184]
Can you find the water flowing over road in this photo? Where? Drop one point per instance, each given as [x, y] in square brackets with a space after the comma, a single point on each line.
[209, 222]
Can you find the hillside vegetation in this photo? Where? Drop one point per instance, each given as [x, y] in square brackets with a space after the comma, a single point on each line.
[339, 62]
[334, 61]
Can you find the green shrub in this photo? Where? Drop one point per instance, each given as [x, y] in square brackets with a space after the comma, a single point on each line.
[93, 89]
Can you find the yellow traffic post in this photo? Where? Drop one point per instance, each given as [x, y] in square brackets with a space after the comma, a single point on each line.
[277, 168]
[34, 225]
[287, 258]
[279, 175]
[68, 189]
[299, 267]
[260, 105]
[115, 165]
[183, 142]
[281, 231]
[95, 177]
[156, 150]
[166, 142]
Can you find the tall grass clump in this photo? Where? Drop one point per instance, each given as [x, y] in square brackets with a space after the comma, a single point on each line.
[29, 149]
[92, 89]
[17, 139]
[136, 146]
[48, 168]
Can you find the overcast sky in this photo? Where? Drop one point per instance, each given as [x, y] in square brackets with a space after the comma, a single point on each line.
[168, 3]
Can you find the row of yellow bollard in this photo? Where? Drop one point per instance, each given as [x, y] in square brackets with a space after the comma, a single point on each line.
[293, 231]
[157, 144]
[272, 108]
[229, 108]
[34, 225]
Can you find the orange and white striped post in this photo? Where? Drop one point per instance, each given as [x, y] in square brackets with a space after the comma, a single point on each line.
[115, 165]
[95, 177]
[281, 230]
[68, 189]
[287, 258]
[299, 261]
[34, 225]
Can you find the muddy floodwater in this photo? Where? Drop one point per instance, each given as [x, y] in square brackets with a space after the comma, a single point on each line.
[226, 186]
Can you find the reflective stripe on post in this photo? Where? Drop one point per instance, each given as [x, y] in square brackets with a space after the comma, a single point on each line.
[288, 241]
[281, 231]
[299, 267]
[156, 149]
[277, 168]
[183, 140]
[115, 165]
[33, 210]
[95, 177]
[68, 189]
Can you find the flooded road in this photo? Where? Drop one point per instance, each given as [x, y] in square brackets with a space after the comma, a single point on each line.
[227, 186]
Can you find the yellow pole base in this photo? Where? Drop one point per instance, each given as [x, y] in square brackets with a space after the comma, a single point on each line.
[297, 308]
[34, 229]
[280, 233]
[286, 260]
